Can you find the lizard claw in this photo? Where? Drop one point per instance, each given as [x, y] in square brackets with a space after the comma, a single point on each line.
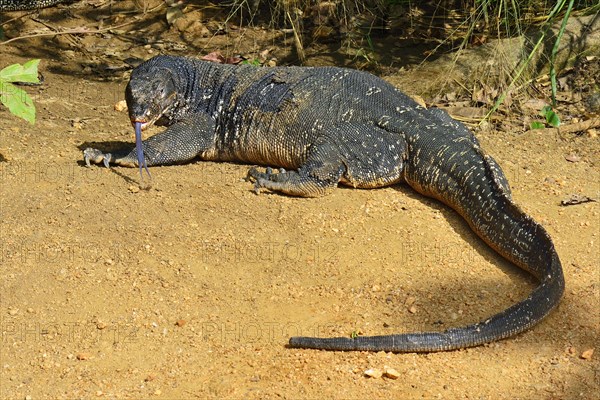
[254, 175]
[249, 176]
[95, 156]
[258, 185]
[259, 178]
[262, 179]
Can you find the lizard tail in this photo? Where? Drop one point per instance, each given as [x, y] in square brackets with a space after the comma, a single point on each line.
[514, 235]
[509, 322]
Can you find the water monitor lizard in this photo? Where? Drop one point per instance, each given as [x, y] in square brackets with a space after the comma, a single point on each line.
[328, 125]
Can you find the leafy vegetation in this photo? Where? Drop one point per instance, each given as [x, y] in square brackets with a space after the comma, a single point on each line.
[16, 99]
[550, 116]
[253, 61]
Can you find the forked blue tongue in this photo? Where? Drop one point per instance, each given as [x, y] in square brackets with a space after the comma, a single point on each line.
[140, 150]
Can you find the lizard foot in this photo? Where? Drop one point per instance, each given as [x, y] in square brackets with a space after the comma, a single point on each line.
[261, 179]
[96, 156]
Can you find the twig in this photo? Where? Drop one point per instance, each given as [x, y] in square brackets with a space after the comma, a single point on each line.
[571, 128]
[297, 40]
[69, 32]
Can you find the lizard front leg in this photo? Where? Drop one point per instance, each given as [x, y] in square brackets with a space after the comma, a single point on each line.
[180, 142]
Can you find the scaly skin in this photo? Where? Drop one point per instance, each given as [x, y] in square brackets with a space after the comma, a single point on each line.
[331, 125]
[21, 5]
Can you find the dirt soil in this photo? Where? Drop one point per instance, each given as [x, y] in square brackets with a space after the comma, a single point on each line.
[192, 288]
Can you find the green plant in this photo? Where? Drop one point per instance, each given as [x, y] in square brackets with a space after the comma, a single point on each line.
[556, 46]
[16, 99]
[551, 117]
[558, 7]
[252, 61]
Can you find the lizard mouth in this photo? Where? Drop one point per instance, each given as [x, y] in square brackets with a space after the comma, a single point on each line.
[143, 122]
[147, 116]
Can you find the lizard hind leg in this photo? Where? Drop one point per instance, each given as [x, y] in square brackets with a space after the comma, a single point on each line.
[318, 176]
[355, 154]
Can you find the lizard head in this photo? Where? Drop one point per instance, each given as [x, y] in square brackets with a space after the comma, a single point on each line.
[150, 95]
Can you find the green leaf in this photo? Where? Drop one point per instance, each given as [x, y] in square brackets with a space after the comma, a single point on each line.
[17, 101]
[537, 125]
[545, 110]
[552, 119]
[27, 72]
[30, 68]
[253, 61]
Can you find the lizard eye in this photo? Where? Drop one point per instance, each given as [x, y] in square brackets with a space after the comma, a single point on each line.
[163, 89]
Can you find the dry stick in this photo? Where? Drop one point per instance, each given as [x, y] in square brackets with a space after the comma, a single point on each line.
[571, 128]
[297, 40]
[68, 32]
[14, 19]
[55, 29]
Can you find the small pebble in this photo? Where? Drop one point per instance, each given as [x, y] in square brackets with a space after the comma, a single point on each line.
[83, 356]
[76, 123]
[587, 354]
[373, 373]
[134, 189]
[391, 373]
[181, 322]
[121, 106]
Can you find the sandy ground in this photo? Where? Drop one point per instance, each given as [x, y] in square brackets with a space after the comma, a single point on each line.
[192, 288]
